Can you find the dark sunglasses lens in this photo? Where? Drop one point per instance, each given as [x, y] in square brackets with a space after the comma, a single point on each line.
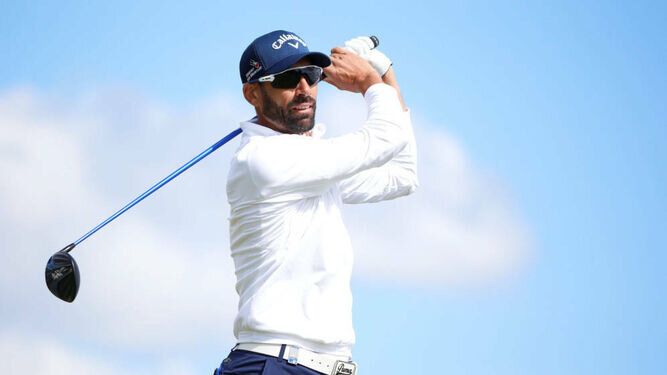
[313, 75]
[286, 80]
[290, 79]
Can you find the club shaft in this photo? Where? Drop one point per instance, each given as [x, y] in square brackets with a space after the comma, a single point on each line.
[160, 184]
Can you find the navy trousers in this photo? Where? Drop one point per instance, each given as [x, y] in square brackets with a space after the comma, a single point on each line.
[241, 362]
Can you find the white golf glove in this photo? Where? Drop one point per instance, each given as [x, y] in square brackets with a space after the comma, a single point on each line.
[363, 46]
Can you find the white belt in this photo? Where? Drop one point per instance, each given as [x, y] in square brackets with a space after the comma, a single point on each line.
[324, 363]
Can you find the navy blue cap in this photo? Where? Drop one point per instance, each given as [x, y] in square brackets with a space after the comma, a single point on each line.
[274, 52]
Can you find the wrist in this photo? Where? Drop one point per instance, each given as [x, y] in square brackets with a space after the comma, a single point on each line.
[368, 81]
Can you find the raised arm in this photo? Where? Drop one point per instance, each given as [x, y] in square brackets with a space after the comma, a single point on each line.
[398, 177]
[296, 166]
[390, 78]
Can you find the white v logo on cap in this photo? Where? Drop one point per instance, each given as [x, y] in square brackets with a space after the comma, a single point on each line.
[295, 45]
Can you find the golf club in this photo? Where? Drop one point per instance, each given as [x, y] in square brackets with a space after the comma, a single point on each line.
[62, 272]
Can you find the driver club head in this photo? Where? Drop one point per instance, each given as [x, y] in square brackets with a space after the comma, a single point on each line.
[62, 275]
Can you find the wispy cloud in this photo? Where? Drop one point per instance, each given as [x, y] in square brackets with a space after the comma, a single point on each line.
[460, 228]
[25, 354]
[160, 278]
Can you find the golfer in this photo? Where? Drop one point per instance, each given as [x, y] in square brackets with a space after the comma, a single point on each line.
[286, 186]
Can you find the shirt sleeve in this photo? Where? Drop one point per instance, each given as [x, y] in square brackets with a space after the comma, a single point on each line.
[294, 166]
[396, 178]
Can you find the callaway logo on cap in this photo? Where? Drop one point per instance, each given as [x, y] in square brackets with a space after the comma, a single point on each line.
[274, 52]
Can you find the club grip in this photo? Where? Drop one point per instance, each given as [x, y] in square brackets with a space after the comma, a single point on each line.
[376, 41]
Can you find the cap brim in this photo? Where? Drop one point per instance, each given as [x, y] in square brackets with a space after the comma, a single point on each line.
[316, 58]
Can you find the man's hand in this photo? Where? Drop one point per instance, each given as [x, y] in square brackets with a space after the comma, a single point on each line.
[350, 72]
[364, 47]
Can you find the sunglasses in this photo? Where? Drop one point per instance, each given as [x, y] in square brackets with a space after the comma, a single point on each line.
[290, 78]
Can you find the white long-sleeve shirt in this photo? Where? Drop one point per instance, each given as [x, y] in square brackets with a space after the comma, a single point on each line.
[291, 250]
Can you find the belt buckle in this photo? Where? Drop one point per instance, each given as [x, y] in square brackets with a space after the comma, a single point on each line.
[344, 368]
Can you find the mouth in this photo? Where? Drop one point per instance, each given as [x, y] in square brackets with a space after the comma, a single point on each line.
[302, 108]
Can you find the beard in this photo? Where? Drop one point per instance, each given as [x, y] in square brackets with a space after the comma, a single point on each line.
[284, 119]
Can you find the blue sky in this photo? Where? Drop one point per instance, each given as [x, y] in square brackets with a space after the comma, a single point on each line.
[542, 132]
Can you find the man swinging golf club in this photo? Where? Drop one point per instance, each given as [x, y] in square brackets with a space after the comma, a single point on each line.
[286, 185]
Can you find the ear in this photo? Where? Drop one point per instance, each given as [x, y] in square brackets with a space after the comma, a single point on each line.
[251, 94]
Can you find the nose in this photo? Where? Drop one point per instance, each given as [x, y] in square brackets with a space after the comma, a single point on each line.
[302, 86]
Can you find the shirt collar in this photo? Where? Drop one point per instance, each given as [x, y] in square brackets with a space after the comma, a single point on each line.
[252, 128]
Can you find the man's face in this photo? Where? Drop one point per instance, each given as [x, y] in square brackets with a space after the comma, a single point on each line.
[290, 111]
